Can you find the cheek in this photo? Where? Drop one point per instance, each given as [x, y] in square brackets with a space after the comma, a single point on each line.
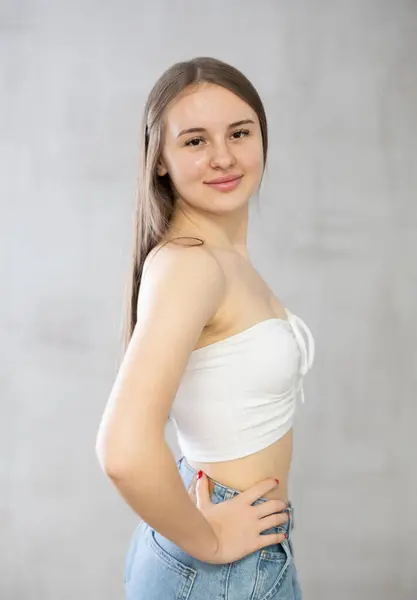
[253, 162]
[252, 158]
[189, 168]
[199, 162]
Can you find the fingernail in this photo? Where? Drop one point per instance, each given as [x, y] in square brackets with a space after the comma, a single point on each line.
[277, 480]
[199, 474]
[285, 535]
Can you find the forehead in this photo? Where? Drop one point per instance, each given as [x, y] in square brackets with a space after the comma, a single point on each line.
[207, 106]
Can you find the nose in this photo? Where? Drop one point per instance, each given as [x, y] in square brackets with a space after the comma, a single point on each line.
[222, 156]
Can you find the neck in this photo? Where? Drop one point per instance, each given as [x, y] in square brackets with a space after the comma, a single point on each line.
[227, 232]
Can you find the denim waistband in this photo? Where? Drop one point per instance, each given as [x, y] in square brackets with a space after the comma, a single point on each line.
[222, 492]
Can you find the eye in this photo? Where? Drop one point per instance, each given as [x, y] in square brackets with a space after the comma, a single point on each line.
[191, 142]
[241, 133]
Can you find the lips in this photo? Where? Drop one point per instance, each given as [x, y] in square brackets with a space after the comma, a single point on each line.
[225, 184]
[225, 179]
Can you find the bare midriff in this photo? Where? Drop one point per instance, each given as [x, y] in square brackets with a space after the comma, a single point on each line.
[242, 473]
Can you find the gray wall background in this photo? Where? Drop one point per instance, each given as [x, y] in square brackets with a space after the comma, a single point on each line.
[335, 237]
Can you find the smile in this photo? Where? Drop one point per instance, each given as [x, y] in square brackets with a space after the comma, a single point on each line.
[226, 186]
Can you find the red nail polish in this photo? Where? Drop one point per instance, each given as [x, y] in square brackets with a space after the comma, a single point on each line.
[199, 474]
[277, 480]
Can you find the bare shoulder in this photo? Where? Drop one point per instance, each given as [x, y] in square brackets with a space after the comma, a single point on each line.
[176, 253]
[182, 274]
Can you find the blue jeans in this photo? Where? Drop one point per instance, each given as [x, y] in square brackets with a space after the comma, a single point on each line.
[157, 569]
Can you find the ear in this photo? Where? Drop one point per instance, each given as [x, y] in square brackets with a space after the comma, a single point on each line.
[161, 169]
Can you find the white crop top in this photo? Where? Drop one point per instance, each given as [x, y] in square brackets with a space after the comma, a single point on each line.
[238, 395]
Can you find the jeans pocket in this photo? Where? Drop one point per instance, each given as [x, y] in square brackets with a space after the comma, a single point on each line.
[172, 572]
[272, 569]
[153, 572]
[169, 553]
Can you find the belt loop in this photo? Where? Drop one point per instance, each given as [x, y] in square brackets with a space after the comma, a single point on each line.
[290, 510]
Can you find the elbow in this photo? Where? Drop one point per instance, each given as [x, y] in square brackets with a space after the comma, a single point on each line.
[112, 466]
[121, 463]
[103, 459]
[124, 451]
[107, 460]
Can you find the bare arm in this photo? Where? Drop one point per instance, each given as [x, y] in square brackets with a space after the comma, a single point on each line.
[180, 292]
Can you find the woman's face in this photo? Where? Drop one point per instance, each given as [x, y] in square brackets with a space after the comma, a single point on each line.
[227, 144]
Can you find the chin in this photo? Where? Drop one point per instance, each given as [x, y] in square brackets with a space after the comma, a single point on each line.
[225, 205]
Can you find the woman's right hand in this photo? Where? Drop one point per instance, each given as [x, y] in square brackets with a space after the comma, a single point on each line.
[237, 524]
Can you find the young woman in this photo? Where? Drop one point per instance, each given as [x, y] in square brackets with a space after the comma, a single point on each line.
[209, 346]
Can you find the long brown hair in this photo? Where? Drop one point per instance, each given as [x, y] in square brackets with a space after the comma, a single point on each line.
[155, 195]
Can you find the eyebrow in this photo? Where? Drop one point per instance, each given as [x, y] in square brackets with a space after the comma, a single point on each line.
[200, 129]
